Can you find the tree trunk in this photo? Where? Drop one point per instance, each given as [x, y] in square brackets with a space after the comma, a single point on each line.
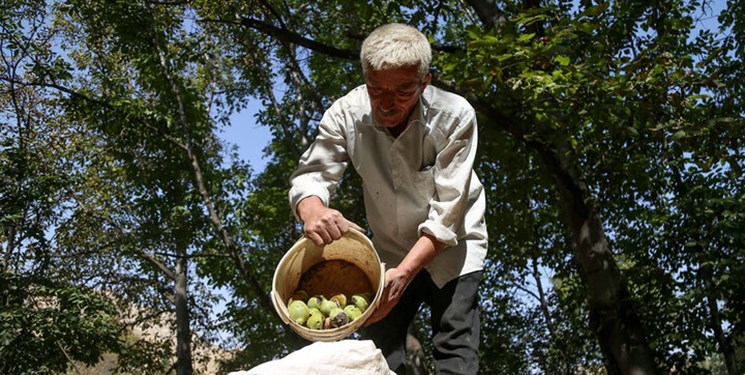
[613, 317]
[725, 346]
[547, 316]
[415, 358]
[183, 330]
[706, 275]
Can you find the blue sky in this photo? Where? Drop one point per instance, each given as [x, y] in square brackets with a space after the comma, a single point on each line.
[248, 136]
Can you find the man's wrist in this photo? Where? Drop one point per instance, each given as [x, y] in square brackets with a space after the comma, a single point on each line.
[307, 205]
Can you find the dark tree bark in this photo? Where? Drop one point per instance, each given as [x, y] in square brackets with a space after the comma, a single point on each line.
[613, 317]
[415, 358]
[488, 12]
[183, 325]
[725, 346]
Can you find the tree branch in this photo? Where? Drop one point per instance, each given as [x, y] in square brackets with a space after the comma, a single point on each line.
[544, 308]
[102, 103]
[488, 12]
[290, 37]
[167, 271]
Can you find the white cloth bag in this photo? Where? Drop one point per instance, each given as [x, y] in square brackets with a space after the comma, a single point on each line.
[346, 357]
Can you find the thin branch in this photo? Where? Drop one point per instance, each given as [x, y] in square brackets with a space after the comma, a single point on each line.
[167, 271]
[528, 291]
[285, 35]
[545, 310]
[99, 102]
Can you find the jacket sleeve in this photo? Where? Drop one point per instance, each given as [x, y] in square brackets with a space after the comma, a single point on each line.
[453, 171]
[323, 163]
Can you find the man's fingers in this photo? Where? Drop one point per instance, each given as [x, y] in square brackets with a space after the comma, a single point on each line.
[330, 229]
[355, 226]
[324, 235]
[345, 224]
[316, 238]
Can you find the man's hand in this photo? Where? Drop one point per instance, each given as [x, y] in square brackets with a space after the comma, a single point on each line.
[396, 282]
[321, 224]
[398, 278]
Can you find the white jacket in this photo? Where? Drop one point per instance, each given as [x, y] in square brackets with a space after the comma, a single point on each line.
[422, 181]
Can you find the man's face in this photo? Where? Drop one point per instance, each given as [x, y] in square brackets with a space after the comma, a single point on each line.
[394, 93]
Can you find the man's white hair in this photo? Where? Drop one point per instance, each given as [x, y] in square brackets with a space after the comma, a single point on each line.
[395, 45]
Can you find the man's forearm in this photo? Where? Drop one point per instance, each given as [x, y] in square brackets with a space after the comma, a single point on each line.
[423, 251]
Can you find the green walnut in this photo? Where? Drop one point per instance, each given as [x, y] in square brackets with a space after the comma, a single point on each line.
[327, 306]
[362, 301]
[353, 312]
[315, 321]
[340, 299]
[314, 310]
[299, 312]
[315, 301]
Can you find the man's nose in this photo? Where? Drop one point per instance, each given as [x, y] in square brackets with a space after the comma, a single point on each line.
[387, 100]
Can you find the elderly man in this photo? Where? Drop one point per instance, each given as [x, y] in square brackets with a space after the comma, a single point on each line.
[414, 146]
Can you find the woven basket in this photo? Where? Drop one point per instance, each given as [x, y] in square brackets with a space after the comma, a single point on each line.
[360, 260]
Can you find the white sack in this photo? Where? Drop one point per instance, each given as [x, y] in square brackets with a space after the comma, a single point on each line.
[347, 357]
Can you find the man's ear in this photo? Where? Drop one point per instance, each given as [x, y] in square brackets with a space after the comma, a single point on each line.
[426, 80]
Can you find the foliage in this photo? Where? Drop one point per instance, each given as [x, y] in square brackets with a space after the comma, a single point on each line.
[43, 325]
[634, 112]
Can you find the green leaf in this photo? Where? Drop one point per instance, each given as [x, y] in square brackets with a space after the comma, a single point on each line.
[597, 10]
[526, 37]
[562, 60]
